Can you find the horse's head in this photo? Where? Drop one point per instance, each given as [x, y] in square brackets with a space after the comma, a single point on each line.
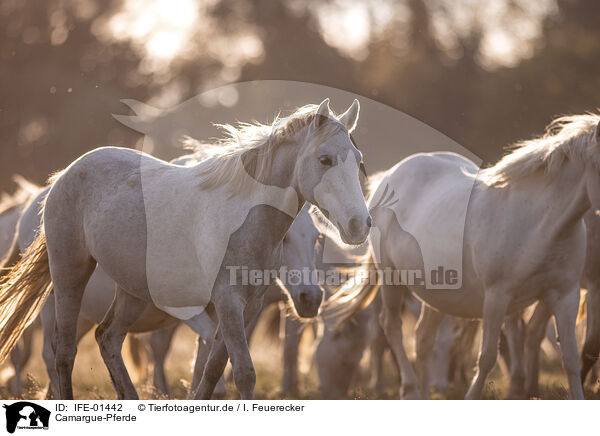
[327, 172]
[299, 255]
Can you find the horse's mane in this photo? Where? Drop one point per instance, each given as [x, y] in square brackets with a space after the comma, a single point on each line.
[568, 137]
[25, 190]
[223, 158]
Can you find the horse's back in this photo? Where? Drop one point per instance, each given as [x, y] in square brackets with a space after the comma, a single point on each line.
[95, 209]
[429, 181]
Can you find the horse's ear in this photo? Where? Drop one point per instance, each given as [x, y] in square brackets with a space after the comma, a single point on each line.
[323, 113]
[350, 117]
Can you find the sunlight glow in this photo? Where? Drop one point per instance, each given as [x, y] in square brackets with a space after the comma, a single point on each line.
[164, 25]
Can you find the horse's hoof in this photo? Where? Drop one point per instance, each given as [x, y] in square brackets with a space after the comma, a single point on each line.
[410, 393]
[218, 396]
[517, 395]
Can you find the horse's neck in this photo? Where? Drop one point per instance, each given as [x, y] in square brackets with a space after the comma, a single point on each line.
[279, 190]
[282, 173]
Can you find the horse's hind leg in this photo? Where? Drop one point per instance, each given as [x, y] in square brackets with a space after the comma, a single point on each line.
[202, 356]
[16, 383]
[69, 281]
[48, 316]
[110, 334]
[565, 307]
[515, 337]
[20, 357]
[534, 335]
[391, 322]
[494, 310]
[160, 342]
[591, 346]
[426, 336]
[438, 365]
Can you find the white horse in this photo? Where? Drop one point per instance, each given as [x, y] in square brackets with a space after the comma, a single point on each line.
[298, 253]
[148, 223]
[522, 239]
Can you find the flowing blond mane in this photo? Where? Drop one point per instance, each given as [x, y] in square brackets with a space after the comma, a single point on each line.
[569, 137]
[223, 163]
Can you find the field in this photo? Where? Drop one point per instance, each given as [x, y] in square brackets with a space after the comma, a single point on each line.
[91, 379]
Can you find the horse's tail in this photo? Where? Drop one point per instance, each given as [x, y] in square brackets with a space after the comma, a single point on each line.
[22, 293]
[355, 295]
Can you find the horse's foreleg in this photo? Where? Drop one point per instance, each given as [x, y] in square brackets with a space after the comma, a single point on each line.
[213, 370]
[591, 346]
[160, 341]
[391, 322]
[565, 307]
[534, 335]
[426, 335]
[110, 334]
[515, 336]
[494, 311]
[233, 315]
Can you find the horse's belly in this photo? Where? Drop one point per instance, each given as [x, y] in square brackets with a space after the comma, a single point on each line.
[456, 302]
[152, 319]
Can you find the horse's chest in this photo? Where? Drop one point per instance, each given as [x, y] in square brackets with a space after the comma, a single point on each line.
[187, 253]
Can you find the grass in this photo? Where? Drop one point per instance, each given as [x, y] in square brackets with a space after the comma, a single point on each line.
[91, 379]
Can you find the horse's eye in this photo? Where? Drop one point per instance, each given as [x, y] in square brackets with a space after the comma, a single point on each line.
[325, 160]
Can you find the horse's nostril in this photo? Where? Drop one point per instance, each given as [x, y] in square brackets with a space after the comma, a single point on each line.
[357, 226]
[369, 221]
[354, 225]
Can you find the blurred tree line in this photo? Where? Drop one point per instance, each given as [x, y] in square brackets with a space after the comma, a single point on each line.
[63, 73]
